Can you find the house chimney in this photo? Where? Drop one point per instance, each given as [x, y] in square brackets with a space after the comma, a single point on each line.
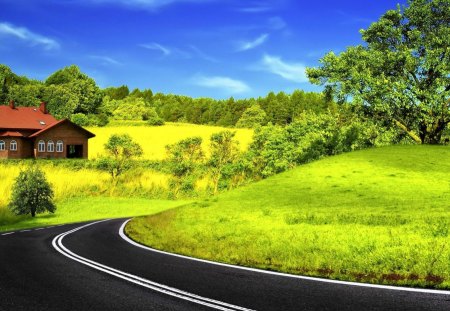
[43, 107]
[11, 104]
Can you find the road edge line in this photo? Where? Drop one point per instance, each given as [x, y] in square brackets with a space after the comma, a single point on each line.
[308, 278]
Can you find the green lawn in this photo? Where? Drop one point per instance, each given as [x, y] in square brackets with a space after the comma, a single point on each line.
[379, 215]
[85, 209]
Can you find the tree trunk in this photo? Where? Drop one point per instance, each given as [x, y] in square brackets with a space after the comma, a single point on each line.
[432, 134]
[33, 212]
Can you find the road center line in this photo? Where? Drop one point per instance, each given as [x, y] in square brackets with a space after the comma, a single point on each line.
[215, 304]
[308, 278]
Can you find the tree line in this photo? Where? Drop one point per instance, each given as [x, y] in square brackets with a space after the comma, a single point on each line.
[69, 93]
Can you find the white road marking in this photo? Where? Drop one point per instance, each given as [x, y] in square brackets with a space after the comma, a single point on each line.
[215, 304]
[25, 230]
[8, 233]
[38, 229]
[387, 287]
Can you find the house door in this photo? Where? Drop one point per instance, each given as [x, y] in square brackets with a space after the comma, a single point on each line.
[74, 151]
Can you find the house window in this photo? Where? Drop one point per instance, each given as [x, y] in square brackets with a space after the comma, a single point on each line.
[41, 146]
[2, 145]
[50, 146]
[59, 146]
[13, 145]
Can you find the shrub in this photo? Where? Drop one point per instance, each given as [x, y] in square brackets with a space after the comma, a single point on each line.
[79, 119]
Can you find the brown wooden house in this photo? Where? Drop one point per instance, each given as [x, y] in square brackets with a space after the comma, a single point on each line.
[31, 132]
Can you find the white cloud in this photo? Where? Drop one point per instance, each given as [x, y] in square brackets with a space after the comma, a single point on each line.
[224, 83]
[157, 47]
[144, 4]
[28, 36]
[202, 55]
[255, 9]
[295, 72]
[106, 60]
[248, 45]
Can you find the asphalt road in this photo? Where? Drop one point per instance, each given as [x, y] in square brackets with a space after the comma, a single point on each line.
[93, 268]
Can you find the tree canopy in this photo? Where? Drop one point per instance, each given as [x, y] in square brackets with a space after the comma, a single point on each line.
[402, 73]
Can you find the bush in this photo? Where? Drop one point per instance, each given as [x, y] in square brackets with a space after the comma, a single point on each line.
[276, 149]
[152, 118]
[79, 119]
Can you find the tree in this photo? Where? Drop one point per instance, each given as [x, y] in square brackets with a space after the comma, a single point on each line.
[117, 92]
[31, 193]
[224, 152]
[61, 101]
[252, 117]
[86, 91]
[183, 159]
[121, 149]
[403, 71]
[152, 118]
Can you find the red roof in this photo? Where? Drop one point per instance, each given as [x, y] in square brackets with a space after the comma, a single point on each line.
[10, 134]
[87, 133]
[24, 118]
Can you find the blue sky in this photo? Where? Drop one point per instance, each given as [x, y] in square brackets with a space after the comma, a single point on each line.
[214, 48]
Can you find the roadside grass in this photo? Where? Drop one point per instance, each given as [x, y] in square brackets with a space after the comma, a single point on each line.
[153, 139]
[378, 216]
[81, 209]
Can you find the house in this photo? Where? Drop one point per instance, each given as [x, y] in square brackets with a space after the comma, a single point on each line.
[31, 132]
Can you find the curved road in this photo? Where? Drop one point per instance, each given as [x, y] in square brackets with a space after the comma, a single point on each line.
[91, 267]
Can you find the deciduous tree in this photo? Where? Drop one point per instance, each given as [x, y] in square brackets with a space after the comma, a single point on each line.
[31, 193]
[403, 70]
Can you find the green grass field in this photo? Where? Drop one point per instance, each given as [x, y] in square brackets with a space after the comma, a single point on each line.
[379, 215]
[88, 208]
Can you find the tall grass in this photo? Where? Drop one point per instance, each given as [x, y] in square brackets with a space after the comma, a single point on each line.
[68, 182]
[379, 215]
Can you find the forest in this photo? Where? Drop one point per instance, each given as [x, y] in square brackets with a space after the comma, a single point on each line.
[72, 94]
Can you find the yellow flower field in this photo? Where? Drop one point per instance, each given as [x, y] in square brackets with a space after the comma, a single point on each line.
[153, 139]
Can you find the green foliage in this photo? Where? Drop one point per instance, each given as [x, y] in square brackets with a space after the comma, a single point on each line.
[121, 149]
[403, 71]
[7, 80]
[84, 89]
[224, 153]
[183, 160]
[31, 193]
[152, 118]
[26, 95]
[117, 93]
[61, 101]
[252, 117]
[80, 119]
[276, 149]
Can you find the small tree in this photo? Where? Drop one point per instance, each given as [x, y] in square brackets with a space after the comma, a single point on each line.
[31, 193]
[224, 152]
[184, 158]
[252, 117]
[121, 149]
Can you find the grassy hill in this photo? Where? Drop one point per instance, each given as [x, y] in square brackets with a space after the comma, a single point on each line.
[379, 215]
